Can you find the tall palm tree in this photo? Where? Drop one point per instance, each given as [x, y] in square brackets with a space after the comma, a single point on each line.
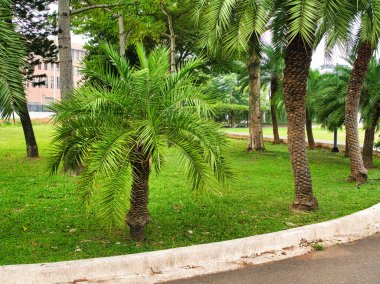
[121, 122]
[313, 87]
[370, 110]
[368, 38]
[12, 54]
[272, 74]
[298, 26]
[234, 28]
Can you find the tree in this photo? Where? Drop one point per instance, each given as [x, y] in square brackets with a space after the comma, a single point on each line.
[231, 27]
[370, 110]
[12, 53]
[123, 120]
[272, 74]
[312, 89]
[32, 20]
[298, 26]
[368, 38]
[64, 39]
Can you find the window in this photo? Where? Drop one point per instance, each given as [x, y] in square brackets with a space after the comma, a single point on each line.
[52, 82]
[45, 66]
[52, 67]
[57, 66]
[72, 53]
[46, 82]
[76, 54]
[57, 82]
[34, 82]
[39, 82]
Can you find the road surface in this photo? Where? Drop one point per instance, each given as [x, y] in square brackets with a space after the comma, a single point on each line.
[357, 262]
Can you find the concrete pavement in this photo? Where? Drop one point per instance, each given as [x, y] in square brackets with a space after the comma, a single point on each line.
[357, 262]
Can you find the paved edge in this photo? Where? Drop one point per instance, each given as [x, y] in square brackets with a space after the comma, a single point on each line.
[153, 267]
[284, 140]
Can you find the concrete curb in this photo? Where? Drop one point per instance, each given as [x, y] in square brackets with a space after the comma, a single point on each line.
[153, 267]
[318, 144]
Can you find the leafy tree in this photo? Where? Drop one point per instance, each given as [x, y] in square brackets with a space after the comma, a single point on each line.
[34, 24]
[123, 125]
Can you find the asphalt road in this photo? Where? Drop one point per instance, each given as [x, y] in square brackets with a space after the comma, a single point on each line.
[357, 262]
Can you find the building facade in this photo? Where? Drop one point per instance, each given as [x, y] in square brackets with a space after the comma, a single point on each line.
[40, 96]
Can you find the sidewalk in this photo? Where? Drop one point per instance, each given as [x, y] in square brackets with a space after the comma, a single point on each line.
[356, 262]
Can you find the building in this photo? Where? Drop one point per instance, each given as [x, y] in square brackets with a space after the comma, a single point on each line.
[40, 96]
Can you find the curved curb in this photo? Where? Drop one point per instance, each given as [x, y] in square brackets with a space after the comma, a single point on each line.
[318, 144]
[153, 267]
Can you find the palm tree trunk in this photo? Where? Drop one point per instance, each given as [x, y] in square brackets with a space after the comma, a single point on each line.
[273, 110]
[256, 140]
[30, 138]
[309, 131]
[368, 142]
[64, 47]
[122, 34]
[358, 171]
[297, 64]
[138, 215]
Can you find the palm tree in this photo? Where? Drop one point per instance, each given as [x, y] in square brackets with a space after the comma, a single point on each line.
[272, 74]
[368, 39]
[12, 54]
[121, 122]
[370, 110]
[313, 87]
[233, 28]
[298, 27]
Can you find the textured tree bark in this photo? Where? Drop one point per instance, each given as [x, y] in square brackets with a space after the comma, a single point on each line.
[273, 109]
[30, 138]
[297, 64]
[122, 35]
[64, 48]
[346, 149]
[256, 141]
[309, 131]
[358, 171]
[138, 215]
[369, 141]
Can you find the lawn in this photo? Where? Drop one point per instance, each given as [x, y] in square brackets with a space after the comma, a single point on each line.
[42, 221]
[319, 133]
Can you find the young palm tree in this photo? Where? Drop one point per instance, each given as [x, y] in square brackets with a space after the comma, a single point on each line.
[121, 122]
[11, 54]
[368, 39]
[231, 28]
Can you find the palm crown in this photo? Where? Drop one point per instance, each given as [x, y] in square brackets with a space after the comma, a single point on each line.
[126, 116]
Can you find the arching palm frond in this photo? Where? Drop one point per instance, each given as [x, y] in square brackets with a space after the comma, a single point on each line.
[12, 57]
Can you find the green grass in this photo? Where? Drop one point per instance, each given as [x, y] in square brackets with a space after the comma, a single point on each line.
[41, 220]
[319, 133]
